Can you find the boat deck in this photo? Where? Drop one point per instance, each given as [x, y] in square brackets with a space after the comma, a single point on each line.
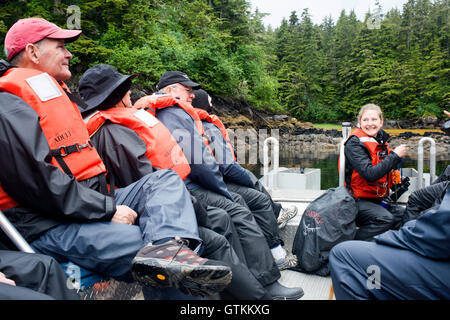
[315, 287]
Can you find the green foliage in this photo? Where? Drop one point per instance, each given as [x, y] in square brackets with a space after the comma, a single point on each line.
[328, 72]
[314, 72]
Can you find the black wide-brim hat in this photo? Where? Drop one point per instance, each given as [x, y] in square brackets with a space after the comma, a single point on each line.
[98, 83]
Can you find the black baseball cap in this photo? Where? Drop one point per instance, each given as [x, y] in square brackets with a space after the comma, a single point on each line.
[172, 77]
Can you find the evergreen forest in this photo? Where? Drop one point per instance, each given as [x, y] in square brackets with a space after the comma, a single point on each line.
[398, 59]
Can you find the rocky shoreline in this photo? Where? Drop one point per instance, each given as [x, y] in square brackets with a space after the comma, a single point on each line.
[296, 136]
[301, 137]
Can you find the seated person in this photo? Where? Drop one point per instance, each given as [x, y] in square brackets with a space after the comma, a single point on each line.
[172, 106]
[122, 132]
[238, 180]
[30, 276]
[411, 263]
[133, 143]
[369, 165]
[58, 199]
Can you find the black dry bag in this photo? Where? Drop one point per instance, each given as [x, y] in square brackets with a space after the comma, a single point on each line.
[327, 221]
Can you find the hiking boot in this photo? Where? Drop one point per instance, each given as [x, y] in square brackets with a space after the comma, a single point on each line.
[173, 264]
[286, 214]
[280, 292]
[287, 262]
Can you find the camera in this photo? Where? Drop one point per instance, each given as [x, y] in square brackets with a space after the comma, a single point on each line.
[399, 189]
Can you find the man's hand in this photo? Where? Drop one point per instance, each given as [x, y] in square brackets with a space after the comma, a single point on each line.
[124, 215]
[4, 279]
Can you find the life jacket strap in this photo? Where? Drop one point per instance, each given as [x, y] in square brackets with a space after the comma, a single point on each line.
[74, 98]
[64, 151]
[151, 109]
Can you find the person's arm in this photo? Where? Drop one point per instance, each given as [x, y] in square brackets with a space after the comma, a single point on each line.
[230, 169]
[123, 153]
[29, 178]
[204, 168]
[428, 235]
[358, 156]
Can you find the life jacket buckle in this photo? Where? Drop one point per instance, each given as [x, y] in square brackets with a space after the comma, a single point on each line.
[63, 151]
[80, 147]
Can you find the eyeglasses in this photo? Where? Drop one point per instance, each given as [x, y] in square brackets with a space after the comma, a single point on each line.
[187, 89]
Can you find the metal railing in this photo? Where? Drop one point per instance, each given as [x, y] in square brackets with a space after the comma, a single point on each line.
[420, 161]
[276, 151]
[346, 130]
[14, 235]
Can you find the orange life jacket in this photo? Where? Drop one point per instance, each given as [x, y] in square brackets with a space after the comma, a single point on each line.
[360, 187]
[212, 118]
[60, 121]
[6, 201]
[162, 149]
[153, 102]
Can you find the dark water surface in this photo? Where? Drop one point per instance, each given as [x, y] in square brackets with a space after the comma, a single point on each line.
[328, 163]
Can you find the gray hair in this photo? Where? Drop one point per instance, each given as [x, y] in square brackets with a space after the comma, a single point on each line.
[164, 90]
[17, 59]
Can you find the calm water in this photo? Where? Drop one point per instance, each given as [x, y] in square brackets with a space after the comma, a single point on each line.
[329, 166]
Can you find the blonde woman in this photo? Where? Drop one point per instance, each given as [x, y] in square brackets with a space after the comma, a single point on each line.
[369, 171]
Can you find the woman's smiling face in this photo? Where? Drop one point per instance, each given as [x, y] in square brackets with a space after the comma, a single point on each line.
[370, 122]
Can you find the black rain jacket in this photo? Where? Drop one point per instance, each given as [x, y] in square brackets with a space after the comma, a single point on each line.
[47, 196]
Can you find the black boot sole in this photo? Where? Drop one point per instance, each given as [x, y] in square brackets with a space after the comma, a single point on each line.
[196, 280]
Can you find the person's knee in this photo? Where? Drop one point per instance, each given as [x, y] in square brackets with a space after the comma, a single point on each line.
[263, 201]
[337, 253]
[345, 254]
[387, 218]
[166, 175]
[239, 199]
[343, 263]
[215, 245]
[220, 243]
[220, 221]
[47, 262]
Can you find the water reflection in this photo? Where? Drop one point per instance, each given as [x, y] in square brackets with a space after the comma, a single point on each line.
[328, 163]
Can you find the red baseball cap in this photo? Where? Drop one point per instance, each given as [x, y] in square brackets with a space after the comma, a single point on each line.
[32, 30]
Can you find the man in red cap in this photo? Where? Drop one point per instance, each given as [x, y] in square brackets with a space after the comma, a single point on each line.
[54, 185]
[38, 44]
